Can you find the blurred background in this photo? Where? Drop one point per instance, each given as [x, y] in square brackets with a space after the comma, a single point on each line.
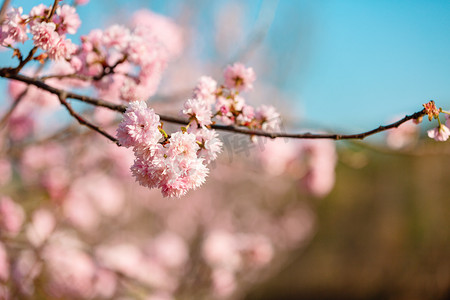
[376, 226]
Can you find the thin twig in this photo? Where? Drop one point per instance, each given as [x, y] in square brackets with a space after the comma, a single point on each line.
[8, 114]
[97, 102]
[236, 129]
[26, 60]
[19, 98]
[83, 121]
[3, 10]
[107, 70]
[52, 12]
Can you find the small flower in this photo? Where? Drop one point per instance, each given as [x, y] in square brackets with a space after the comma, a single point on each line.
[183, 144]
[210, 145]
[67, 19]
[206, 89]
[44, 35]
[62, 49]
[197, 110]
[431, 110]
[139, 126]
[268, 117]
[239, 77]
[440, 134]
[14, 28]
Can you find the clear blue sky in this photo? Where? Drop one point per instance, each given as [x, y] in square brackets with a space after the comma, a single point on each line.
[346, 64]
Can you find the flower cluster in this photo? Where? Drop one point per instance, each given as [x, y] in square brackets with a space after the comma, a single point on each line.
[175, 164]
[442, 132]
[48, 32]
[127, 63]
[230, 107]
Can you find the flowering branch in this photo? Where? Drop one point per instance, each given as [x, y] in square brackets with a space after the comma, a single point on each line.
[230, 128]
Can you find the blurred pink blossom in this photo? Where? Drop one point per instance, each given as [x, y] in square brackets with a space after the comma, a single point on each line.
[238, 77]
[12, 216]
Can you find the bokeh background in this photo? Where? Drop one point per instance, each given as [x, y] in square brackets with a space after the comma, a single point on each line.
[343, 66]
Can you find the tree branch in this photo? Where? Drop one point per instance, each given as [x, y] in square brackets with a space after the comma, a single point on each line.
[83, 121]
[3, 10]
[236, 129]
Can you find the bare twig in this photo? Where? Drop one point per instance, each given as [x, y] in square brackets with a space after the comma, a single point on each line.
[16, 102]
[107, 70]
[26, 60]
[8, 114]
[236, 129]
[52, 12]
[3, 10]
[83, 121]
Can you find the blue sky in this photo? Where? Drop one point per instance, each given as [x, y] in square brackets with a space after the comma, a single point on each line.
[345, 64]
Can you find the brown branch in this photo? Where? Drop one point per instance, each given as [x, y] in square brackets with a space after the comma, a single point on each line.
[83, 121]
[107, 70]
[8, 114]
[66, 76]
[19, 98]
[52, 12]
[236, 129]
[26, 60]
[6, 73]
[307, 135]
[3, 10]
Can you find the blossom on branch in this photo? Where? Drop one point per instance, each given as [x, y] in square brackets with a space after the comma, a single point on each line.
[440, 133]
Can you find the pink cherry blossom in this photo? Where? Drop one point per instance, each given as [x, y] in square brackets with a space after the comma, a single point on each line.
[42, 225]
[11, 216]
[268, 117]
[70, 271]
[197, 110]
[169, 249]
[210, 145]
[149, 172]
[239, 77]
[320, 157]
[81, 2]
[14, 28]
[257, 250]
[224, 108]
[38, 13]
[403, 136]
[139, 126]
[62, 49]
[116, 36]
[440, 133]
[206, 89]
[183, 144]
[224, 282]
[182, 172]
[220, 250]
[44, 35]
[169, 34]
[66, 19]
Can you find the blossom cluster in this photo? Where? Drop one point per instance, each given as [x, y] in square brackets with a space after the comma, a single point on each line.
[442, 132]
[47, 32]
[174, 164]
[123, 63]
[229, 105]
[177, 163]
[127, 63]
